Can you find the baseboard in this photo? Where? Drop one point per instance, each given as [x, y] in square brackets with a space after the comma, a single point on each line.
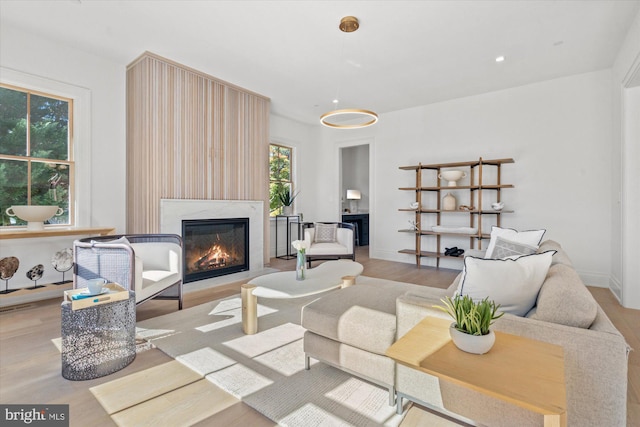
[616, 288]
[598, 280]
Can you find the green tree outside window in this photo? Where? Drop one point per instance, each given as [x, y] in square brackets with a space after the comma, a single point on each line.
[36, 166]
[280, 164]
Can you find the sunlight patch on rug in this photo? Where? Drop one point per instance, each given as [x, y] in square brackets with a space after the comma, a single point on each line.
[262, 342]
[311, 415]
[361, 399]
[227, 305]
[286, 360]
[232, 316]
[312, 398]
[266, 370]
[205, 360]
[239, 381]
[153, 333]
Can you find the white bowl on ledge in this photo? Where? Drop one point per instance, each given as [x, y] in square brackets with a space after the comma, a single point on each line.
[34, 215]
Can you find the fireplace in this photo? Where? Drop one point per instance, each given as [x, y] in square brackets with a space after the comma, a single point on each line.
[214, 247]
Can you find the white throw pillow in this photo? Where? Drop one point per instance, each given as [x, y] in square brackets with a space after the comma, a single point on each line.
[122, 240]
[326, 233]
[513, 283]
[530, 238]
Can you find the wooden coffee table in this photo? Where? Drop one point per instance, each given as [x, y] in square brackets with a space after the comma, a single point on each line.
[538, 367]
[328, 275]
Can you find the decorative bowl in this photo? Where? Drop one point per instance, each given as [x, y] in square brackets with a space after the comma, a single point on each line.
[452, 176]
[497, 206]
[34, 215]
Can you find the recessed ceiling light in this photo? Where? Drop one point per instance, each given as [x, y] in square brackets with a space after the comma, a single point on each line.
[500, 58]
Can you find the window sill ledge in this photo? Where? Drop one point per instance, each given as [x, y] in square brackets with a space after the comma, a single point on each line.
[53, 231]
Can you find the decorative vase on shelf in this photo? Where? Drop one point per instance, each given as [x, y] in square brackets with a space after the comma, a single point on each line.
[301, 265]
[449, 202]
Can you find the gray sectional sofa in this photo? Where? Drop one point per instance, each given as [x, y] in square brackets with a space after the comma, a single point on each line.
[352, 328]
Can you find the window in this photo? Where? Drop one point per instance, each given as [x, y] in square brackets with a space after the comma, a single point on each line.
[36, 164]
[280, 180]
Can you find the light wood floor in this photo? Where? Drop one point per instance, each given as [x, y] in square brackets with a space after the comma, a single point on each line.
[30, 363]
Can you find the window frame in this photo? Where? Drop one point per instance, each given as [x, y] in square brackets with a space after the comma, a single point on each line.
[29, 159]
[290, 182]
[80, 205]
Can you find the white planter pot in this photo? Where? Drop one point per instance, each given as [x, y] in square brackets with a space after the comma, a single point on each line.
[287, 210]
[476, 344]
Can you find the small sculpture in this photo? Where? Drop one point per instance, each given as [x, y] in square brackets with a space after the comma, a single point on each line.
[62, 261]
[497, 206]
[35, 274]
[8, 267]
[414, 224]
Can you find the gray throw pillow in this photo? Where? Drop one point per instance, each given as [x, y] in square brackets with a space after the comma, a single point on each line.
[326, 233]
[506, 248]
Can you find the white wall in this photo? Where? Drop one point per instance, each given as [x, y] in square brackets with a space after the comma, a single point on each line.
[103, 148]
[625, 228]
[558, 132]
[305, 172]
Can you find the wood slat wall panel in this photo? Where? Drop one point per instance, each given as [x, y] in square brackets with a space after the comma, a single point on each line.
[191, 136]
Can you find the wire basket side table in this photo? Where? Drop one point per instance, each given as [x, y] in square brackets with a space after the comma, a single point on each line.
[98, 340]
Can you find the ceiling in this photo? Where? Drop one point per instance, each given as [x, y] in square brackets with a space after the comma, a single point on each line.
[405, 54]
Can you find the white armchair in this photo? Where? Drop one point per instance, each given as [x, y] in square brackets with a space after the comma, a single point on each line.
[329, 240]
[148, 264]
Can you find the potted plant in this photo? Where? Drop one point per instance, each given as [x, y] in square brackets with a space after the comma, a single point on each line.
[470, 330]
[286, 200]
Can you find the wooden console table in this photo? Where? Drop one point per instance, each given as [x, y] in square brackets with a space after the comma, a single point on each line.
[538, 367]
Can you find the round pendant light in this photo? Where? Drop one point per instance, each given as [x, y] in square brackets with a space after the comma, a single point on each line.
[348, 118]
[352, 118]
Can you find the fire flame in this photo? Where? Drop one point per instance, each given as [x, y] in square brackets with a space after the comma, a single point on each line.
[216, 254]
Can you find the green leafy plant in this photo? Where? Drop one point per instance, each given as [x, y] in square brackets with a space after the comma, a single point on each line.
[473, 318]
[285, 197]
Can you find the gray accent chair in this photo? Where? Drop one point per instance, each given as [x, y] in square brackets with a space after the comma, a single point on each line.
[343, 247]
[148, 264]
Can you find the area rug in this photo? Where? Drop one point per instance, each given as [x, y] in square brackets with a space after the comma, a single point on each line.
[266, 370]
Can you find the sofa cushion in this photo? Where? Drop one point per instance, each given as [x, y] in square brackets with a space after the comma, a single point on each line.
[328, 249]
[564, 299]
[512, 283]
[531, 238]
[326, 233]
[362, 316]
[159, 255]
